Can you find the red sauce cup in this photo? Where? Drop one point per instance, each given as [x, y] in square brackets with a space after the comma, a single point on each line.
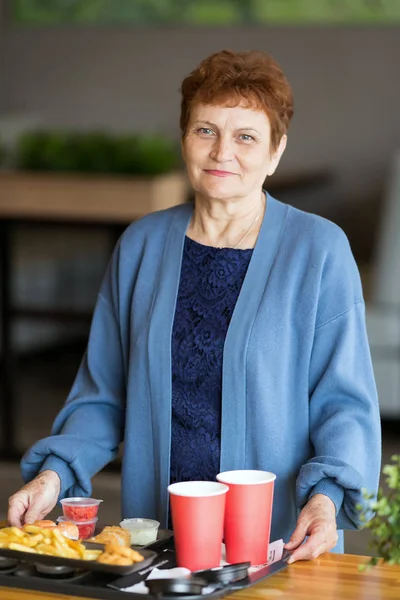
[80, 509]
[86, 528]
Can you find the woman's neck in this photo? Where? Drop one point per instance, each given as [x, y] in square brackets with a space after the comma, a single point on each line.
[227, 224]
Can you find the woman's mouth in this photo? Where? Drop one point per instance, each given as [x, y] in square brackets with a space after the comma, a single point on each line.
[218, 173]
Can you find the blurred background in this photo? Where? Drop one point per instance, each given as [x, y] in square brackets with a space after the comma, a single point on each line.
[89, 139]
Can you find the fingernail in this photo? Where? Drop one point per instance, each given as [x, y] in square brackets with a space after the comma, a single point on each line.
[290, 560]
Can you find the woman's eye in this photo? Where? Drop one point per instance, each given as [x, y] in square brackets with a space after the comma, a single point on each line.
[205, 131]
[245, 137]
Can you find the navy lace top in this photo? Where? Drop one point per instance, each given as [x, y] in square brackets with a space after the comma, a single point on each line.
[211, 279]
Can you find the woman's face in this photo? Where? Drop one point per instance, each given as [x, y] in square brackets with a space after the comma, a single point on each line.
[227, 151]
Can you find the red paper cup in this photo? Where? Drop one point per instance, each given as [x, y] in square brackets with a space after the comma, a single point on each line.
[197, 509]
[248, 515]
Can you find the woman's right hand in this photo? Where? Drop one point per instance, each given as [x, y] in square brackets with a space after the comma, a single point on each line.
[35, 500]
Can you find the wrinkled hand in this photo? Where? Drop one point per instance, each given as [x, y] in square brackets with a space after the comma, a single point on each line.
[35, 500]
[318, 521]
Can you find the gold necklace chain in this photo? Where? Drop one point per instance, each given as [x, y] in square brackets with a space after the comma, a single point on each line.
[249, 229]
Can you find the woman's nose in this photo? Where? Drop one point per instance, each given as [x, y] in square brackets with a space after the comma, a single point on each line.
[222, 150]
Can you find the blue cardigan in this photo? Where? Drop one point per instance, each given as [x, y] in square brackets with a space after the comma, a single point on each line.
[298, 399]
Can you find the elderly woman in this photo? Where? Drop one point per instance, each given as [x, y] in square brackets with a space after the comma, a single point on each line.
[228, 334]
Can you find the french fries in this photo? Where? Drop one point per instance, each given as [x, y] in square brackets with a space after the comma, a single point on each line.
[31, 538]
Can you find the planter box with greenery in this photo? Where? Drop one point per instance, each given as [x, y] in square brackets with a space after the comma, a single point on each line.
[385, 524]
[94, 175]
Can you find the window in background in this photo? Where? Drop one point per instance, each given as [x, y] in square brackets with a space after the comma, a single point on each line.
[203, 12]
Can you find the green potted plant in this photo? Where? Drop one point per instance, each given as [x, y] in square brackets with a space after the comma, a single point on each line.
[102, 175]
[96, 152]
[385, 524]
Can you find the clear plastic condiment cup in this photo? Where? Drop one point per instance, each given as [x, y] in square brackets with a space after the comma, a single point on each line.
[143, 531]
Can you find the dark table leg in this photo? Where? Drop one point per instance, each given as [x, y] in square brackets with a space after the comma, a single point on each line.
[8, 447]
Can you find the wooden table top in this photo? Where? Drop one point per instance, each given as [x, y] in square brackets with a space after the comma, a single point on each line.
[330, 577]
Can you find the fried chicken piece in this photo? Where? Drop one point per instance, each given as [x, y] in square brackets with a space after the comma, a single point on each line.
[114, 559]
[115, 554]
[113, 534]
[113, 548]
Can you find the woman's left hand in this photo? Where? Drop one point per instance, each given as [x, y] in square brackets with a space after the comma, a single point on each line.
[317, 520]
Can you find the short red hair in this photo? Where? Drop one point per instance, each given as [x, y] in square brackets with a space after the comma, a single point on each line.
[230, 77]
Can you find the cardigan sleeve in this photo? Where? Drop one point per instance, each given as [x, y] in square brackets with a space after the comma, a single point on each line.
[88, 430]
[343, 410]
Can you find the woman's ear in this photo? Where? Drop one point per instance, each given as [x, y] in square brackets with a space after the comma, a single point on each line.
[277, 155]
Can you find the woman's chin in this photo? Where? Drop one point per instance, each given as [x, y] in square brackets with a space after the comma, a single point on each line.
[219, 190]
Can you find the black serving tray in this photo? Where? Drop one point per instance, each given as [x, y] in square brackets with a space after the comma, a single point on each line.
[96, 585]
[163, 536]
[101, 585]
[82, 565]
